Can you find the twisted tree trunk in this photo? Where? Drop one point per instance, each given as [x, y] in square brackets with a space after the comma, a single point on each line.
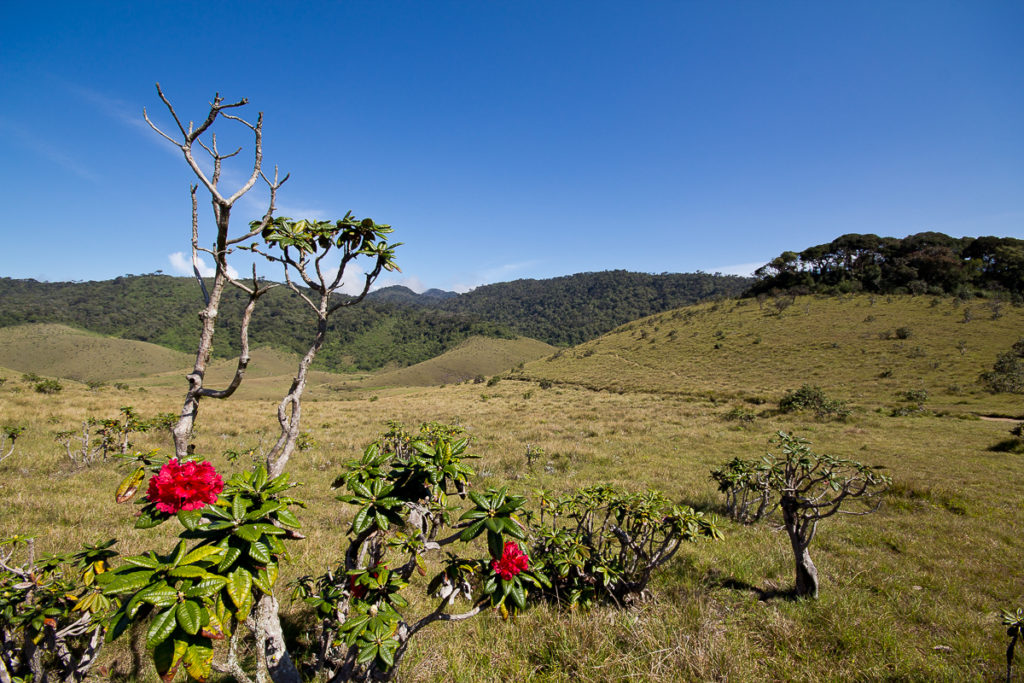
[806, 572]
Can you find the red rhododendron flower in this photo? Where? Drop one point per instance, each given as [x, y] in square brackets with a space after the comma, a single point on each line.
[513, 560]
[184, 486]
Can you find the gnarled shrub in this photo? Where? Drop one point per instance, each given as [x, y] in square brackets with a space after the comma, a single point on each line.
[601, 545]
[810, 397]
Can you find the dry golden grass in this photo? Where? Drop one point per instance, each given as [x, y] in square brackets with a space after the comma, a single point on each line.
[474, 357]
[61, 351]
[909, 593]
[847, 345]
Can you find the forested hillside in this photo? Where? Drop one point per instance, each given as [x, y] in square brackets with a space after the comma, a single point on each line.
[392, 326]
[928, 262]
[163, 310]
[575, 308]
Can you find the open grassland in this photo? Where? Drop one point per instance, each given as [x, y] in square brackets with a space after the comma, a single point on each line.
[909, 593]
[851, 346]
[61, 351]
[475, 357]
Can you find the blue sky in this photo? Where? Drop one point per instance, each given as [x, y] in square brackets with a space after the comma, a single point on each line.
[518, 139]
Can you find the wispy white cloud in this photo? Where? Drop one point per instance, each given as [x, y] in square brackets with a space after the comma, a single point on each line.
[25, 138]
[127, 113]
[182, 265]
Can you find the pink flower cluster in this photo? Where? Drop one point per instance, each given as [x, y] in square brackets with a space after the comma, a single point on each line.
[513, 560]
[184, 486]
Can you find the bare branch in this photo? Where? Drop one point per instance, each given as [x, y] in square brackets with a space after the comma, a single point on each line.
[195, 244]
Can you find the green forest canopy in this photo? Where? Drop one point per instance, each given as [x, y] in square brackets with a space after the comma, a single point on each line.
[928, 262]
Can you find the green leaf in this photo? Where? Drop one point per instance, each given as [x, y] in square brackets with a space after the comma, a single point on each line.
[129, 583]
[188, 614]
[367, 653]
[260, 477]
[179, 554]
[238, 507]
[150, 517]
[260, 581]
[361, 521]
[120, 625]
[248, 532]
[161, 627]
[518, 594]
[386, 655]
[472, 531]
[230, 555]
[264, 510]
[239, 587]
[160, 595]
[288, 518]
[199, 659]
[141, 561]
[167, 656]
[200, 553]
[206, 587]
[190, 519]
[187, 572]
[259, 552]
[495, 545]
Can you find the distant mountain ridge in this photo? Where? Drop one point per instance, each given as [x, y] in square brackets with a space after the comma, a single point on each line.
[393, 326]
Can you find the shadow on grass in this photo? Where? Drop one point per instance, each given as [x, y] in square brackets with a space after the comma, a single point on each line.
[763, 594]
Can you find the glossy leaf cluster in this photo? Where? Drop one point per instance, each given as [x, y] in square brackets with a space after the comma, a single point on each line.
[602, 545]
[229, 554]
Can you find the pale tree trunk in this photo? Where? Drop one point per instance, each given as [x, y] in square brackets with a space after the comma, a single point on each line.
[183, 429]
[270, 638]
[289, 412]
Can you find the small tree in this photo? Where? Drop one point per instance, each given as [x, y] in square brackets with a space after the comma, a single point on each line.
[812, 487]
[8, 436]
[305, 250]
[1007, 375]
[747, 489]
[808, 487]
[603, 545]
[50, 611]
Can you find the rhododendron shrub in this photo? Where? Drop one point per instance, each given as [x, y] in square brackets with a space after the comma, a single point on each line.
[184, 486]
[228, 556]
[512, 561]
[603, 545]
[405, 491]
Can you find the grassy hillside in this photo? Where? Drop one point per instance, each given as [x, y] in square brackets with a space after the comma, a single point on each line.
[910, 593]
[393, 326]
[851, 346]
[478, 356]
[574, 308]
[60, 351]
[164, 310]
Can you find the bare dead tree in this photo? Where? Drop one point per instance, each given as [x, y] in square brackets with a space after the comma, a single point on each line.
[302, 248]
[223, 245]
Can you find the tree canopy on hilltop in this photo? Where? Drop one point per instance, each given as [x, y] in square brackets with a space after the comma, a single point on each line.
[927, 262]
